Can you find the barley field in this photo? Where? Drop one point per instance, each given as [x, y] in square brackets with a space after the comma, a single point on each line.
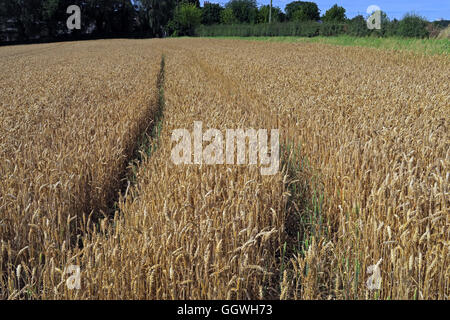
[88, 180]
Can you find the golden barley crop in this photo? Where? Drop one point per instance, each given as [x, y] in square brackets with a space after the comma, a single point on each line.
[363, 184]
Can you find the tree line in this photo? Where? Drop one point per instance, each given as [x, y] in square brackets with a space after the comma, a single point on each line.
[25, 20]
[303, 18]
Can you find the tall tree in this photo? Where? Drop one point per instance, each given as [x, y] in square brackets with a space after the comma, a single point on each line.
[186, 18]
[302, 10]
[110, 16]
[50, 16]
[335, 14]
[227, 16]
[155, 14]
[194, 2]
[413, 25]
[264, 13]
[211, 13]
[124, 17]
[245, 11]
[26, 16]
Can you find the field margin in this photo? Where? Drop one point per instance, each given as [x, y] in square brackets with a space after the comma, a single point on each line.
[422, 46]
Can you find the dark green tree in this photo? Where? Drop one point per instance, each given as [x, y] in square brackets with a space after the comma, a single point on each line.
[263, 14]
[26, 16]
[300, 15]
[303, 10]
[335, 14]
[50, 16]
[187, 17]
[245, 11]
[358, 27]
[211, 13]
[125, 16]
[227, 16]
[413, 25]
[154, 15]
[195, 2]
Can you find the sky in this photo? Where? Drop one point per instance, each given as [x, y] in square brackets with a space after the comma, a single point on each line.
[430, 9]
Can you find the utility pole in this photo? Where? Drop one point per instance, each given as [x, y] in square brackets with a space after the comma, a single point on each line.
[270, 12]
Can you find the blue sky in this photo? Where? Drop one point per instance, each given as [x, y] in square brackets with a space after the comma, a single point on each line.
[430, 9]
